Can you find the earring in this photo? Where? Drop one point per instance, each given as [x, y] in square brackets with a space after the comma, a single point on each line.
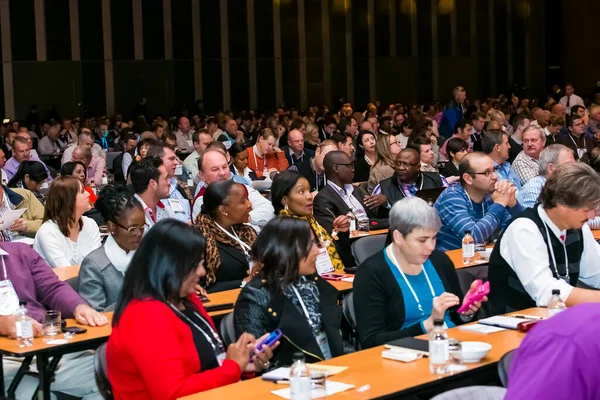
[226, 214]
[285, 207]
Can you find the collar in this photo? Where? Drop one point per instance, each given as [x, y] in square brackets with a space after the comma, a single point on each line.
[348, 188]
[3, 252]
[13, 196]
[294, 154]
[145, 206]
[256, 152]
[561, 234]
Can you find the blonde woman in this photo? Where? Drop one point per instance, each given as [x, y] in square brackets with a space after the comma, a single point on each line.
[387, 148]
[311, 137]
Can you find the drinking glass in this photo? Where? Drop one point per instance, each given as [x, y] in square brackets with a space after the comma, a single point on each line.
[52, 323]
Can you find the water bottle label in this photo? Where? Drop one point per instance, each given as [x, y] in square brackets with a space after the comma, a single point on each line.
[352, 225]
[24, 329]
[300, 388]
[468, 249]
[439, 351]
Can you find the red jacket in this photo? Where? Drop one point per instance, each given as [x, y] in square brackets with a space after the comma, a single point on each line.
[151, 355]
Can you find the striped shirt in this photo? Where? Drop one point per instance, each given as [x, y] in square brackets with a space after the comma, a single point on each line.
[529, 193]
[459, 214]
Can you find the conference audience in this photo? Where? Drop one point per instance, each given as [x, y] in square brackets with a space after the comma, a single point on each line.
[480, 204]
[399, 291]
[463, 131]
[265, 158]
[140, 153]
[38, 286]
[551, 157]
[159, 292]
[66, 237]
[365, 156]
[550, 246]
[456, 149]
[291, 197]
[200, 139]
[496, 145]
[387, 148]
[150, 183]
[86, 137]
[229, 238]
[313, 170]
[101, 273]
[287, 294]
[31, 175]
[526, 165]
[239, 162]
[423, 146]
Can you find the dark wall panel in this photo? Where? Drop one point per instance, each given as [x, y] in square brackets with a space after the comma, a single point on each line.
[265, 74]
[121, 26]
[237, 29]
[90, 30]
[240, 85]
[263, 28]
[212, 85]
[183, 79]
[94, 98]
[501, 45]
[403, 30]
[181, 22]
[153, 27]
[58, 30]
[210, 26]
[289, 53]
[360, 49]
[382, 28]
[314, 29]
[22, 30]
[463, 28]
[425, 59]
[444, 33]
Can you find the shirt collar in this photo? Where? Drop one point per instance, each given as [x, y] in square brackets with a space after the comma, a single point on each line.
[3, 252]
[561, 234]
[348, 188]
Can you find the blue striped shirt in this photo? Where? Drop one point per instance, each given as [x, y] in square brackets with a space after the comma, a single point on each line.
[530, 192]
[457, 212]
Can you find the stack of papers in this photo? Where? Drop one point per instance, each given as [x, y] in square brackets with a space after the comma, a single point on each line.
[283, 373]
[331, 389]
[480, 328]
[507, 322]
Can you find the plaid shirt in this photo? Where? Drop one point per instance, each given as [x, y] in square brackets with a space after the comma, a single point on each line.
[525, 167]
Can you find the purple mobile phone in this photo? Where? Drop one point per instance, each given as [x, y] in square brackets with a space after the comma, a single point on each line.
[270, 340]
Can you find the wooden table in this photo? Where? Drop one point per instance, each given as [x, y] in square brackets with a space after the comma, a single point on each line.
[42, 351]
[386, 377]
[66, 273]
[456, 257]
[358, 234]
[225, 297]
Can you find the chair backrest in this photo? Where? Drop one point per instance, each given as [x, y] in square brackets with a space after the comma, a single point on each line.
[227, 329]
[504, 366]
[366, 246]
[348, 310]
[74, 283]
[473, 392]
[102, 372]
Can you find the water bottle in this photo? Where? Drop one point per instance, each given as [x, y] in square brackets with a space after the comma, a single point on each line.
[300, 385]
[24, 327]
[352, 219]
[468, 248]
[555, 305]
[439, 349]
[190, 180]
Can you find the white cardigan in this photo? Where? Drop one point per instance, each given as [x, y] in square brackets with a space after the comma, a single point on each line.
[59, 250]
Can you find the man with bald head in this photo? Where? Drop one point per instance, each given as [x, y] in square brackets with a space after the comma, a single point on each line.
[366, 126]
[313, 170]
[559, 110]
[480, 203]
[213, 166]
[184, 136]
[95, 166]
[340, 197]
[86, 137]
[295, 151]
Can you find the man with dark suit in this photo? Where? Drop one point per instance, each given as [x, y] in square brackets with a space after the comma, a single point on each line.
[340, 197]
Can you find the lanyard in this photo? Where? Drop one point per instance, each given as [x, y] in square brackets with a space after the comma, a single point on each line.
[575, 143]
[150, 214]
[218, 348]
[244, 246]
[566, 278]
[301, 158]
[4, 268]
[393, 258]
[256, 160]
[304, 307]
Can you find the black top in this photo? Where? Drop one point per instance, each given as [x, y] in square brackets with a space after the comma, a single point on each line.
[206, 353]
[573, 142]
[315, 181]
[391, 189]
[378, 301]
[515, 149]
[449, 170]
[233, 269]
[362, 170]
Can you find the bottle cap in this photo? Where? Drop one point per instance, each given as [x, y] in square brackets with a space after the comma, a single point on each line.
[469, 232]
[556, 292]
[22, 303]
[298, 356]
[438, 322]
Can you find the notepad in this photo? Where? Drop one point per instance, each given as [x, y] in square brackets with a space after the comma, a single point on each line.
[410, 344]
[480, 328]
[331, 389]
[283, 373]
[505, 321]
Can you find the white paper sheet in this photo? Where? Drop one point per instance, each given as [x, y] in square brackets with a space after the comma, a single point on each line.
[10, 216]
[331, 389]
[480, 328]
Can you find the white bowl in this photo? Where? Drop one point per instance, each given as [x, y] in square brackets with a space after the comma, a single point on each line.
[265, 184]
[472, 352]
[485, 255]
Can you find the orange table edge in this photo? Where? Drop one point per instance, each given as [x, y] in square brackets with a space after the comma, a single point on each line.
[65, 273]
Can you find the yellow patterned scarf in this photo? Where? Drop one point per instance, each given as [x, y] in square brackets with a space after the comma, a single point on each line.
[321, 235]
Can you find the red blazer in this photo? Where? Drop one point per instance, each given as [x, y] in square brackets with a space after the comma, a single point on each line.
[151, 355]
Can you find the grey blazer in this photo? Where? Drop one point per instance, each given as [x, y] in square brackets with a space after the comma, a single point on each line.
[100, 282]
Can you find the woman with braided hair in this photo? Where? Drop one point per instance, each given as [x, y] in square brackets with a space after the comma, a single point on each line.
[223, 223]
[102, 271]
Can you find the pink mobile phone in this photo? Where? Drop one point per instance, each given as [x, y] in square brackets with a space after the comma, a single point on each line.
[483, 289]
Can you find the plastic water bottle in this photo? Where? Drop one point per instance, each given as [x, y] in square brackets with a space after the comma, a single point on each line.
[24, 327]
[352, 219]
[555, 305]
[300, 384]
[439, 349]
[468, 248]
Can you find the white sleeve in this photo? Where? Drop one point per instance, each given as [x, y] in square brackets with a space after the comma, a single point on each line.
[49, 243]
[125, 163]
[589, 269]
[262, 209]
[529, 259]
[94, 234]
[197, 207]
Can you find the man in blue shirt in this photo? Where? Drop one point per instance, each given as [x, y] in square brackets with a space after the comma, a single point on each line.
[480, 203]
[453, 112]
[495, 144]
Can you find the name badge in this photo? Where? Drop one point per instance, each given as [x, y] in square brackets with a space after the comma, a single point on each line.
[176, 206]
[324, 345]
[324, 264]
[9, 301]
[581, 152]
[179, 170]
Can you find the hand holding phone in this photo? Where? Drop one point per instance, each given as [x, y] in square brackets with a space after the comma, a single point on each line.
[482, 290]
[270, 340]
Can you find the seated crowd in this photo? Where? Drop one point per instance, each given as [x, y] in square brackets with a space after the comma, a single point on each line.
[269, 204]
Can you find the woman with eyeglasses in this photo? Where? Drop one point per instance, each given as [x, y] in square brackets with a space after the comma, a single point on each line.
[387, 148]
[102, 271]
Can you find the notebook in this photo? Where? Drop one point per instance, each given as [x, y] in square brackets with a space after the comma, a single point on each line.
[506, 321]
[410, 344]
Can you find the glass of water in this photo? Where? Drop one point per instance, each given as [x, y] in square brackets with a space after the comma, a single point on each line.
[52, 323]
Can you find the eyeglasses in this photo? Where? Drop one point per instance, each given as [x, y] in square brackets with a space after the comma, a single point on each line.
[132, 230]
[350, 165]
[398, 143]
[487, 174]
[406, 165]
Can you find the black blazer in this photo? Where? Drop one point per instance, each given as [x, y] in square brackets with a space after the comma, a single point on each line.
[586, 141]
[379, 304]
[391, 189]
[328, 198]
[515, 149]
[362, 170]
[257, 311]
[233, 269]
[449, 170]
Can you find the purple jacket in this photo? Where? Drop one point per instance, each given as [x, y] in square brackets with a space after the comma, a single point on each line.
[36, 283]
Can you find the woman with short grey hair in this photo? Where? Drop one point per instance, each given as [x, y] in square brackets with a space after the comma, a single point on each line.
[401, 290]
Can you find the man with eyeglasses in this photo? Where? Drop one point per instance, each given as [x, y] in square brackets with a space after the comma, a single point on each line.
[407, 180]
[340, 197]
[480, 203]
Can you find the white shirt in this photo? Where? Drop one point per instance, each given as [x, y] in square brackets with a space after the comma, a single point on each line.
[162, 212]
[190, 166]
[262, 209]
[59, 250]
[530, 261]
[574, 100]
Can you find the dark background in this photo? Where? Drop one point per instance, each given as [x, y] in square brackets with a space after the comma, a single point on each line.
[552, 41]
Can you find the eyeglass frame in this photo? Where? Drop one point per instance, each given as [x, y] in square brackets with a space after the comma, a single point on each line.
[129, 230]
[349, 165]
[487, 174]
